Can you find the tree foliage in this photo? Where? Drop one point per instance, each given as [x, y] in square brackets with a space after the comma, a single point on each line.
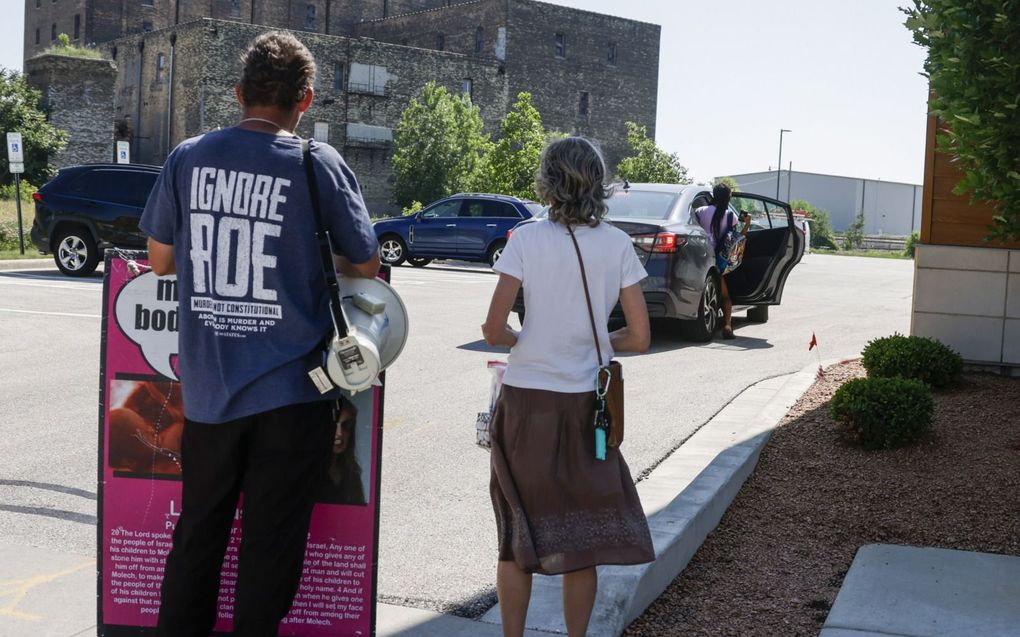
[649, 163]
[440, 147]
[973, 66]
[21, 112]
[514, 158]
[821, 224]
[727, 181]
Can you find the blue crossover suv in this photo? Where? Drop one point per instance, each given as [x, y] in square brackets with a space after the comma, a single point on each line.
[466, 226]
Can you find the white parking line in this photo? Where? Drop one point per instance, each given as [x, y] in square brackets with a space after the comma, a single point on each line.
[51, 286]
[7, 309]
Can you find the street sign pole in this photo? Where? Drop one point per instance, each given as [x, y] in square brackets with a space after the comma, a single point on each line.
[16, 164]
[17, 198]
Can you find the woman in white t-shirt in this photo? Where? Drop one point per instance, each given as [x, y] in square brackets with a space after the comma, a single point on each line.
[559, 509]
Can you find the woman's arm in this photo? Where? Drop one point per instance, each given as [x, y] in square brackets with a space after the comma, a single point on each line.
[637, 334]
[495, 329]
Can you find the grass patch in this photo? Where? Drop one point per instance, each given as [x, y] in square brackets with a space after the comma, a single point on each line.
[31, 252]
[73, 51]
[876, 254]
[9, 229]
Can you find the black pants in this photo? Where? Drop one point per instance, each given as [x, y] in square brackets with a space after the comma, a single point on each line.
[278, 458]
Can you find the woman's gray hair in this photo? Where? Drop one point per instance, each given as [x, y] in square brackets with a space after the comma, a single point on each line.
[570, 181]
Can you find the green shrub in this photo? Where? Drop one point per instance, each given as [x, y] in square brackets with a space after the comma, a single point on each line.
[882, 413]
[8, 192]
[413, 209]
[911, 244]
[9, 236]
[920, 357]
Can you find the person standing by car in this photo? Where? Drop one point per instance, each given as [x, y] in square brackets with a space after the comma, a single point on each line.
[717, 219]
[559, 509]
[231, 215]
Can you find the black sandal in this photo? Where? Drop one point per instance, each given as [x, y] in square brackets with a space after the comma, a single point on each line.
[727, 333]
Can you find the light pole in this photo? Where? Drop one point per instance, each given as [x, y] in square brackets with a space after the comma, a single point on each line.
[779, 166]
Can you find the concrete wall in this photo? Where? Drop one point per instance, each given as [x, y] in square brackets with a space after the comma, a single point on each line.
[890, 208]
[969, 298]
[79, 93]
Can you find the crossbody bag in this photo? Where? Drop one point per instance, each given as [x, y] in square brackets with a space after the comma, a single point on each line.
[608, 381]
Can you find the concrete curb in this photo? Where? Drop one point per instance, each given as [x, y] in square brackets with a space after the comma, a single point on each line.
[684, 499]
[27, 264]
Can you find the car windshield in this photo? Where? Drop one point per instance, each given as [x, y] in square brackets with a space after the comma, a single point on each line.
[641, 204]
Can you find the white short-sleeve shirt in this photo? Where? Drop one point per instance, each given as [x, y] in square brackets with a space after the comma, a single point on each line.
[555, 350]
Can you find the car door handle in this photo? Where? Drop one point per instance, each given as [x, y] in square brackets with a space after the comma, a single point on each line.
[490, 225]
[451, 225]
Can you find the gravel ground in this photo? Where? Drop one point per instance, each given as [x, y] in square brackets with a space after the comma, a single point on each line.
[776, 561]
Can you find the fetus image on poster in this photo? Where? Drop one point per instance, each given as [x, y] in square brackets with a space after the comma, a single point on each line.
[145, 426]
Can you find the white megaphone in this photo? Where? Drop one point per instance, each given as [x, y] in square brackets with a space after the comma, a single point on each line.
[377, 329]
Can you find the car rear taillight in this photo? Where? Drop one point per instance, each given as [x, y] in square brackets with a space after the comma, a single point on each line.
[37, 197]
[508, 233]
[661, 242]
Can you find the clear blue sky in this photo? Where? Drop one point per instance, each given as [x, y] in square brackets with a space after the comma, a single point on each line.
[843, 76]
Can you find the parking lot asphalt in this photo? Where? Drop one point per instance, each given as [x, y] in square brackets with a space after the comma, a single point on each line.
[437, 541]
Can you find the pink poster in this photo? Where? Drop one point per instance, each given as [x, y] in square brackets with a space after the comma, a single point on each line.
[141, 419]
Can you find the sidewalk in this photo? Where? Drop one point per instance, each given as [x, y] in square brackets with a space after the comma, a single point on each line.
[904, 591]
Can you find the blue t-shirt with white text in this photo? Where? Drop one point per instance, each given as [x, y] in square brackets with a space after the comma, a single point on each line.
[253, 299]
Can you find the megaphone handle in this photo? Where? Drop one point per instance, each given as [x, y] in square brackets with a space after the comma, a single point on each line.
[325, 245]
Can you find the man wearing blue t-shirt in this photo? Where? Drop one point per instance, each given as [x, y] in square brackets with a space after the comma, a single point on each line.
[231, 215]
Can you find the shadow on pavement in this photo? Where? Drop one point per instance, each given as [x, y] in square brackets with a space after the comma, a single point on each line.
[81, 493]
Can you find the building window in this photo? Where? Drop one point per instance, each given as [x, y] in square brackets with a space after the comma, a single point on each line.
[37, 36]
[611, 54]
[38, 4]
[77, 26]
[235, 8]
[467, 88]
[441, 42]
[160, 65]
[146, 26]
[146, 3]
[561, 45]
[582, 106]
[479, 39]
[338, 76]
[53, 32]
[310, 17]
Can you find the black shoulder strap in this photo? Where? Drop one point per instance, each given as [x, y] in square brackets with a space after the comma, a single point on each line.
[325, 245]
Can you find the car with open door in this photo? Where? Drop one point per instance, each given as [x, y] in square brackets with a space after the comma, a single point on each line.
[683, 281]
[465, 227]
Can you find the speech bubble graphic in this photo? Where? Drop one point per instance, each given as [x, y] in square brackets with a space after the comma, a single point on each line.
[147, 313]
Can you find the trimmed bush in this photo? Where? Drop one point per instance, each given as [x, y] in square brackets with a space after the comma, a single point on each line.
[882, 413]
[913, 357]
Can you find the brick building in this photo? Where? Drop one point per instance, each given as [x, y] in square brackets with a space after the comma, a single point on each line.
[176, 63]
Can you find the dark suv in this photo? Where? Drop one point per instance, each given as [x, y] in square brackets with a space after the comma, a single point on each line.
[86, 209]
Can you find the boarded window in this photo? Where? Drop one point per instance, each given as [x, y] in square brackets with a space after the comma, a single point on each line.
[611, 54]
[468, 88]
[37, 36]
[77, 26]
[53, 31]
[479, 39]
[583, 106]
[160, 66]
[441, 42]
[561, 45]
[338, 76]
[310, 17]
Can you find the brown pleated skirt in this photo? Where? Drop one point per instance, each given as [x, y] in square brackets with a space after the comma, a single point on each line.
[558, 509]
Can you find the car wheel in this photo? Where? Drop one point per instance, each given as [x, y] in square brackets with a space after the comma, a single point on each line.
[75, 252]
[758, 314]
[702, 328]
[392, 250]
[494, 252]
[419, 262]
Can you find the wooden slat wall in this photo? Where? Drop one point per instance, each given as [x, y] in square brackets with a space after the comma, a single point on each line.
[948, 219]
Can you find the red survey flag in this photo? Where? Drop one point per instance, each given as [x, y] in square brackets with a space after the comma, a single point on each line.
[814, 342]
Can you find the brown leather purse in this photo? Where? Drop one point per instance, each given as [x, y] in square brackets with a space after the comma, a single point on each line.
[610, 376]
